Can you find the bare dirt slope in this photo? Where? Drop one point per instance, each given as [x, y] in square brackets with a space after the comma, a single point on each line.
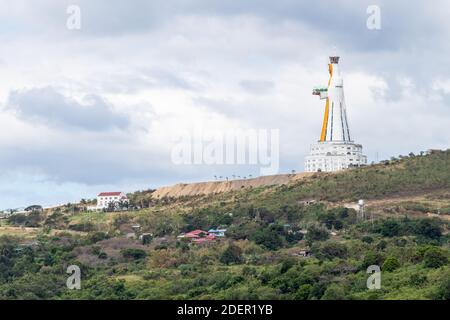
[204, 188]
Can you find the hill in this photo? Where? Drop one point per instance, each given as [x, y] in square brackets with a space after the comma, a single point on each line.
[288, 237]
[206, 188]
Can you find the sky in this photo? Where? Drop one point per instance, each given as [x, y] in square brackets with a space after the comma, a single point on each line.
[100, 108]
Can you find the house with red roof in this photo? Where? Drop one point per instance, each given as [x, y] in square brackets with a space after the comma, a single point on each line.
[196, 234]
[206, 239]
[105, 199]
[199, 236]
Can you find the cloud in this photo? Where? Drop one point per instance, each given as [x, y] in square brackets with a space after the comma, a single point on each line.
[105, 100]
[257, 86]
[46, 105]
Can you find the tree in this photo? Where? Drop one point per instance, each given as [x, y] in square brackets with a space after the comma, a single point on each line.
[316, 233]
[231, 255]
[443, 291]
[371, 258]
[132, 253]
[268, 238]
[428, 228]
[334, 292]
[434, 257]
[390, 264]
[303, 292]
[330, 250]
[389, 228]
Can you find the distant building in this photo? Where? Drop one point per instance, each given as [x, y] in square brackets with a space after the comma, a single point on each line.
[217, 232]
[200, 236]
[105, 199]
[206, 239]
[196, 234]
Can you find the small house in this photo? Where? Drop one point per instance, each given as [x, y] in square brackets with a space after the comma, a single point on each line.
[218, 232]
[196, 234]
[105, 199]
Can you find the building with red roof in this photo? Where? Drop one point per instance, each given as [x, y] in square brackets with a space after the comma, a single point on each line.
[199, 236]
[105, 199]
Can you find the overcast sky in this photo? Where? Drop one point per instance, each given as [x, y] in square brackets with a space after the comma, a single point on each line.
[96, 109]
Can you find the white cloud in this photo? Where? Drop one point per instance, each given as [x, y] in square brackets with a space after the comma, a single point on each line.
[156, 70]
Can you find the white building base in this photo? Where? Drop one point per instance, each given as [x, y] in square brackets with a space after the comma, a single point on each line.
[331, 156]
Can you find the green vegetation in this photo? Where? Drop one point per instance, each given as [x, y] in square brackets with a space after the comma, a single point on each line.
[279, 244]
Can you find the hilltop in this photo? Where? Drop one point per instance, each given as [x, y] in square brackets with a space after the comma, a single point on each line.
[287, 237]
[212, 187]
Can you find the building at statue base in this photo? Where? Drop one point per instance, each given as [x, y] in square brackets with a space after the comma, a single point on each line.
[334, 156]
[335, 150]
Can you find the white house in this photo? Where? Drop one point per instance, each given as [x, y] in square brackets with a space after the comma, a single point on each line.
[105, 198]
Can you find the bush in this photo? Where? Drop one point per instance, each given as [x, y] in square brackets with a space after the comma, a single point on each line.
[389, 228]
[371, 258]
[434, 257]
[31, 219]
[268, 238]
[417, 279]
[443, 291]
[316, 233]
[102, 255]
[330, 250]
[367, 239]
[334, 292]
[84, 227]
[390, 264]
[231, 255]
[94, 237]
[382, 245]
[132, 253]
[303, 292]
[428, 228]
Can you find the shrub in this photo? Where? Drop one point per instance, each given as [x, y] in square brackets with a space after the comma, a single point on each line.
[434, 257]
[286, 264]
[371, 258]
[231, 255]
[389, 228]
[28, 220]
[382, 245]
[417, 279]
[330, 250]
[303, 292]
[316, 233]
[102, 255]
[248, 271]
[94, 237]
[85, 227]
[132, 253]
[390, 264]
[268, 238]
[443, 291]
[428, 228]
[334, 292]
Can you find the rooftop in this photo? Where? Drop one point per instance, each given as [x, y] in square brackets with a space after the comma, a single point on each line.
[108, 194]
